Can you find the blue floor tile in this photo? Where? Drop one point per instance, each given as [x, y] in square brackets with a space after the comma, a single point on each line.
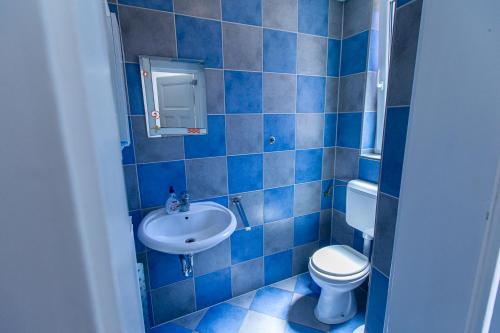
[190, 321]
[295, 311]
[272, 301]
[306, 286]
[222, 318]
[349, 326]
[302, 312]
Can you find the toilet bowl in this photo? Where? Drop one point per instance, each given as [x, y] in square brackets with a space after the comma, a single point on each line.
[338, 270]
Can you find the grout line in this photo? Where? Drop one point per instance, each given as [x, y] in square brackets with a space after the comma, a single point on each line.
[152, 315]
[388, 195]
[135, 166]
[337, 121]
[274, 72]
[397, 106]
[226, 144]
[355, 33]
[263, 148]
[221, 20]
[338, 96]
[295, 129]
[183, 137]
[325, 98]
[144, 8]
[349, 75]
[175, 30]
[380, 271]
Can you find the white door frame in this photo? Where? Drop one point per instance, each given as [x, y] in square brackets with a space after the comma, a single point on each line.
[67, 257]
[488, 275]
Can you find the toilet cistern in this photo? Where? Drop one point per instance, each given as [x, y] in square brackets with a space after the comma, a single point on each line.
[361, 205]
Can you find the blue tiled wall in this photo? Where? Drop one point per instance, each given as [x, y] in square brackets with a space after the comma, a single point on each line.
[403, 54]
[271, 72]
[355, 131]
[377, 301]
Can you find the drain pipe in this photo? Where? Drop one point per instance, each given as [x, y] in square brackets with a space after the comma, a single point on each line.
[367, 243]
[187, 264]
[236, 200]
[187, 259]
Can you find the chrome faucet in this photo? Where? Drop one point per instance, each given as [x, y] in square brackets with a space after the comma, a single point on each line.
[184, 202]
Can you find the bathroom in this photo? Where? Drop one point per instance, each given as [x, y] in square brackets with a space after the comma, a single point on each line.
[279, 210]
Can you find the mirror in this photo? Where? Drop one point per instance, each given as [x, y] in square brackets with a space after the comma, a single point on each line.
[174, 96]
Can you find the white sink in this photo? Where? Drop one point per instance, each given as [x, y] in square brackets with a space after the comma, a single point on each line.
[204, 226]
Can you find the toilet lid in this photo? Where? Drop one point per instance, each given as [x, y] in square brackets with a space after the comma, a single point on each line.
[340, 260]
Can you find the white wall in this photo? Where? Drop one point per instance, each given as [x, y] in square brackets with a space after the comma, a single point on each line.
[65, 257]
[452, 153]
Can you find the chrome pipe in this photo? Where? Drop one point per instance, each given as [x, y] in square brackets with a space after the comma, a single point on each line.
[236, 200]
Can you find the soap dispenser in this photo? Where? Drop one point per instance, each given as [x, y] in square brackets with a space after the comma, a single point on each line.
[172, 205]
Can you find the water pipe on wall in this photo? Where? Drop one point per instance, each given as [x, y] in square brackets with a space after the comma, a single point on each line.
[236, 200]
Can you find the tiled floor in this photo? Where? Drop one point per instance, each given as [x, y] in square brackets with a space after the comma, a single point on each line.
[284, 307]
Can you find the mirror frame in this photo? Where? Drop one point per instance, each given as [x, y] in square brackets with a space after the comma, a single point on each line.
[158, 64]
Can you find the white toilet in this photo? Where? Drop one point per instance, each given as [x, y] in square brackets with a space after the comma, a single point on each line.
[339, 269]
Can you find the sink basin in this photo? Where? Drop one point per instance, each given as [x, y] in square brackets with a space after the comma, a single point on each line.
[204, 226]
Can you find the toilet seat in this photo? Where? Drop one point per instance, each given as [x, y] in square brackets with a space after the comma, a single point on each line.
[339, 261]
